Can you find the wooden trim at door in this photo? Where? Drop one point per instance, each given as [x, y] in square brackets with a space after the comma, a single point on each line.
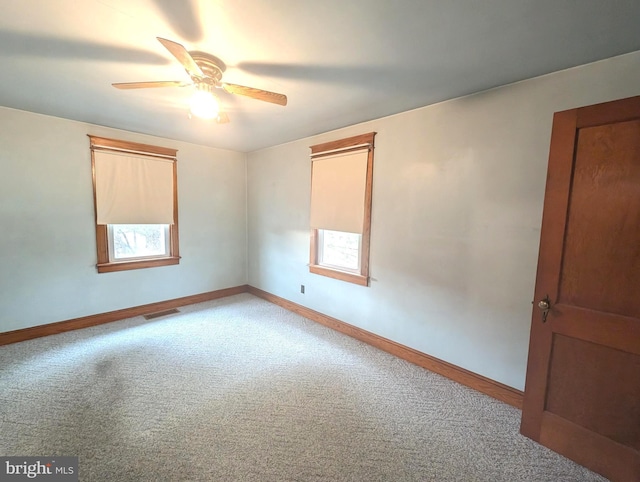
[93, 320]
[482, 384]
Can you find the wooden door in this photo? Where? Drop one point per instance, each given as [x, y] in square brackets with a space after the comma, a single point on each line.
[582, 394]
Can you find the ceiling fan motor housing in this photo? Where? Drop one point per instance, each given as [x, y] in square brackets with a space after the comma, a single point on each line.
[212, 67]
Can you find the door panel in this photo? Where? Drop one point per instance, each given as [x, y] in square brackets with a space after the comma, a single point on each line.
[601, 262]
[604, 401]
[582, 395]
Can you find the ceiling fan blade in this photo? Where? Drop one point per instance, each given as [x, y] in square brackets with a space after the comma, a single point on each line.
[182, 55]
[146, 85]
[259, 94]
[222, 118]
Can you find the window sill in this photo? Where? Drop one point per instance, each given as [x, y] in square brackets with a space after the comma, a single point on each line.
[341, 275]
[138, 264]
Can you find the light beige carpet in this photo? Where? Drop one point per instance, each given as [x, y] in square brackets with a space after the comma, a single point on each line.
[240, 389]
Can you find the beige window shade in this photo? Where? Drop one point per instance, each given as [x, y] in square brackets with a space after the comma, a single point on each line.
[133, 189]
[338, 184]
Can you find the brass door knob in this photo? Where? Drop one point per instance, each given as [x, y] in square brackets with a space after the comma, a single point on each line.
[545, 306]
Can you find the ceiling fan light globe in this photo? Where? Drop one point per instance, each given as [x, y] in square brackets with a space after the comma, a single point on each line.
[204, 105]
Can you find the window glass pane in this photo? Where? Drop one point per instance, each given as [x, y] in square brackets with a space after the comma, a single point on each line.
[339, 249]
[139, 240]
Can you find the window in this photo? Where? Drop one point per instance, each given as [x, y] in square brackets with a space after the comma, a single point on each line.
[136, 205]
[339, 250]
[138, 241]
[341, 182]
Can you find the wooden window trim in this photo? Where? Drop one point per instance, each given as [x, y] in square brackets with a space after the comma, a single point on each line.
[102, 247]
[361, 278]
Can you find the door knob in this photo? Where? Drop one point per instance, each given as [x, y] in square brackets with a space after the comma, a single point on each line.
[545, 306]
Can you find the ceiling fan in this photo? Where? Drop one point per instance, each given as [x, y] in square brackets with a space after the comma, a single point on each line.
[205, 71]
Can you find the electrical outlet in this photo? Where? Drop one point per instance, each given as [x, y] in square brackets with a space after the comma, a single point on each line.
[302, 289]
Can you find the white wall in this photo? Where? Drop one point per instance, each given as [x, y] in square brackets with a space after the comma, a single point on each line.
[47, 245]
[457, 205]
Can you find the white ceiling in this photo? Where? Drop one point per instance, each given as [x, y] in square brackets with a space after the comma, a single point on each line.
[340, 62]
